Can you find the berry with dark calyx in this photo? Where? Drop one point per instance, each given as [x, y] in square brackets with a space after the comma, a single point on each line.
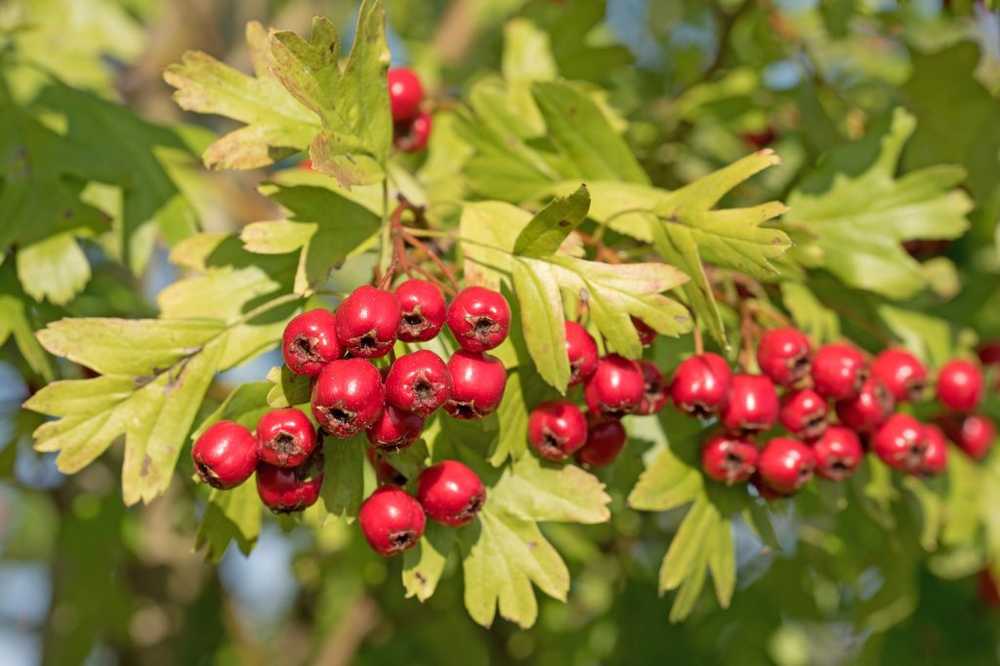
[786, 465]
[391, 520]
[783, 355]
[900, 442]
[646, 334]
[838, 453]
[582, 352]
[902, 373]
[395, 429]
[310, 342]
[557, 429]
[960, 385]
[422, 310]
[838, 371]
[288, 489]
[450, 493]
[347, 397]
[869, 408]
[729, 459]
[989, 353]
[479, 318]
[384, 471]
[700, 385]
[973, 433]
[935, 458]
[803, 413]
[477, 384]
[367, 322]
[405, 93]
[225, 455]
[655, 391]
[752, 405]
[412, 136]
[285, 437]
[616, 388]
[419, 382]
[605, 440]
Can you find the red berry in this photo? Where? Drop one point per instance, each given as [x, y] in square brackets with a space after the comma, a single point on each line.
[347, 397]
[901, 442]
[391, 520]
[752, 404]
[616, 388]
[869, 408]
[582, 352]
[655, 391]
[783, 355]
[384, 471]
[987, 589]
[477, 384]
[450, 493]
[225, 455]
[419, 382]
[935, 458]
[989, 353]
[412, 136]
[902, 373]
[605, 439]
[557, 429]
[405, 93]
[646, 334]
[395, 429]
[479, 319]
[701, 384]
[786, 465]
[287, 489]
[729, 459]
[310, 342]
[838, 371]
[974, 434]
[367, 322]
[803, 413]
[285, 437]
[765, 491]
[960, 385]
[838, 453]
[422, 309]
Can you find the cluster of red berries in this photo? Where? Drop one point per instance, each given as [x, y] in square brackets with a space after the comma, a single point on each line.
[351, 395]
[411, 126]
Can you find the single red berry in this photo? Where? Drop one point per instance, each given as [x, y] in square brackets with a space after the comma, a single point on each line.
[973, 433]
[783, 355]
[310, 342]
[450, 493]
[582, 352]
[655, 391]
[752, 405]
[729, 459]
[803, 413]
[384, 471]
[989, 353]
[901, 442]
[869, 408]
[477, 384]
[960, 385]
[347, 397]
[605, 439]
[646, 334]
[419, 382]
[557, 429]
[422, 309]
[288, 489]
[412, 136]
[479, 318]
[902, 373]
[838, 371]
[701, 384]
[405, 93]
[765, 491]
[786, 465]
[987, 589]
[285, 437]
[935, 459]
[616, 388]
[391, 520]
[395, 429]
[838, 453]
[367, 322]
[225, 455]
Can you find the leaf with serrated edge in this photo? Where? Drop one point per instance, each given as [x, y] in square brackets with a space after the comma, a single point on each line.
[55, 268]
[345, 475]
[230, 515]
[542, 320]
[276, 236]
[550, 227]
[423, 565]
[488, 230]
[819, 322]
[547, 493]
[666, 484]
[287, 388]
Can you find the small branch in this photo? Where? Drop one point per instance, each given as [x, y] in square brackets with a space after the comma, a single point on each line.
[435, 259]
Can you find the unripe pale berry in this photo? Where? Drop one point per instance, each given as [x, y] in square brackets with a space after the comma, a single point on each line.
[729, 459]
[803, 413]
[960, 385]
[477, 384]
[581, 349]
[900, 442]
[310, 342]
[752, 405]
[783, 355]
[557, 429]
[479, 318]
[288, 489]
[786, 465]
[606, 438]
[422, 309]
[391, 521]
[838, 371]
[225, 455]
[973, 433]
[412, 136]
[616, 388]
[395, 429]
[838, 453]
[285, 437]
[655, 389]
[419, 382]
[450, 493]
[701, 384]
[902, 373]
[405, 93]
[367, 322]
[347, 397]
[869, 408]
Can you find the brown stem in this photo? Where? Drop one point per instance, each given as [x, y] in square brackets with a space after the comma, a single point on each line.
[699, 342]
[443, 267]
[748, 330]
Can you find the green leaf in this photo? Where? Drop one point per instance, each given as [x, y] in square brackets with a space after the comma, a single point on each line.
[926, 336]
[14, 320]
[931, 508]
[54, 268]
[344, 482]
[543, 322]
[424, 565]
[819, 322]
[287, 388]
[488, 230]
[524, 390]
[276, 236]
[550, 227]
[230, 515]
[544, 492]
[666, 484]
[526, 53]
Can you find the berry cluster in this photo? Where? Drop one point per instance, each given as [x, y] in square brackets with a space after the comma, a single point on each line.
[411, 126]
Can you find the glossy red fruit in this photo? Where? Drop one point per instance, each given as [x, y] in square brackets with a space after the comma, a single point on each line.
[479, 318]
[616, 388]
[582, 352]
[405, 93]
[347, 397]
[902, 373]
[395, 429]
[655, 391]
[646, 334]
[385, 473]
[973, 433]
[803, 413]
[412, 136]
[701, 384]
[606, 438]
[557, 429]
[935, 458]
[783, 355]
[391, 520]
[729, 459]
[288, 489]
[786, 465]
[310, 342]
[367, 322]
[838, 453]
[960, 385]
[285, 437]
[752, 405]
[869, 408]
[419, 382]
[901, 442]
[838, 371]
[422, 309]
[477, 384]
[450, 493]
[989, 353]
[225, 455]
